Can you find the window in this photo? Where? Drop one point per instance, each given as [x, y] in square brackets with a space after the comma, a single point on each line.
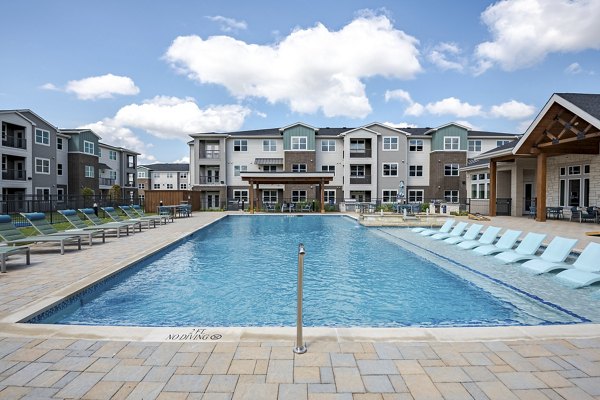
[42, 166]
[269, 145]
[328, 168]
[415, 145]
[169, 175]
[451, 143]
[169, 186]
[59, 143]
[480, 190]
[328, 145]
[130, 179]
[88, 147]
[130, 161]
[357, 145]
[269, 168]
[156, 175]
[415, 196]
[415, 170]
[42, 137]
[240, 195]
[240, 145]
[451, 196]
[390, 143]
[298, 167]
[298, 196]
[99, 152]
[183, 175]
[89, 171]
[299, 142]
[502, 142]
[574, 170]
[141, 186]
[156, 186]
[4, 131]
[183, 186]
[357, 170]
[112, 155]
[239, 168]
[389, 196]
[42, 193]
[112, 174]
[390, 169]
[269, 196]
[329, 196]
[59, 169]
[451, 170]
[60, 194]
[474, 145]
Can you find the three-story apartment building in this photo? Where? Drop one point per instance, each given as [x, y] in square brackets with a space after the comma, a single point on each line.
[166, 176]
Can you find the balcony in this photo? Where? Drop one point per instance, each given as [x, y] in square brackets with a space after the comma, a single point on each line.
[107, 181]
[360, 180]
[366, 153]
[15, 142]
[14, 175]
[209, 180]
[212, 154]
[130, 184]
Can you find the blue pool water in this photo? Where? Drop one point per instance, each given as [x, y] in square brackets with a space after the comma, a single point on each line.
[242, 270]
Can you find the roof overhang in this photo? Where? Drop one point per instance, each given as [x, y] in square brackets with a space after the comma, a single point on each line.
[307, 178]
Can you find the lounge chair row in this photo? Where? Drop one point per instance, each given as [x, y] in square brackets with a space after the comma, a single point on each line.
[16, 241]
[583, 272]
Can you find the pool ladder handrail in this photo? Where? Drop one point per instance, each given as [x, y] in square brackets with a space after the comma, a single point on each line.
[300, 346]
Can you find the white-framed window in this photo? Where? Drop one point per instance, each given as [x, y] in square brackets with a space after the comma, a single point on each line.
[183, 175]
[60, 194]
[240, 194]
[451, 196]
[269, 145]
[59, 143]
[42, 137]
[130, 179]
[357, 170]
[112, 174]
[502, 142]
[299, 168]
[240, 145]
[88, 147]
[142, 174]
[130, 161]
[390, 169]
[156, 175]
[42, 166]
[452, 143]
[141, 186]
[269, 196]
[112, 155]
[480, 186]
[156, 186]
[390, 143]
[415, 170]
[239, 168]
[183, 186]
[89, 171]
[574, 170]
[42, 193]
[328, 168]
[99, 152]
[270, 168]
[141, 198]
[169, 186]
[298, 196]
[474, 145]
[169, 175]
[389, 196]
[328, 145]
[329, 196]
[415, 145]
[574, 189]
[358, 145]
[4, 131]
[59, 169]
[415, 195]
[451, 170]
[299, 142]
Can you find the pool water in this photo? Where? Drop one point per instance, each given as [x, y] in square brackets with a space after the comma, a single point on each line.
[242, 271]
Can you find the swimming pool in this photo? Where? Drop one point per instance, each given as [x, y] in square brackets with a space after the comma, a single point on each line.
[241, 271]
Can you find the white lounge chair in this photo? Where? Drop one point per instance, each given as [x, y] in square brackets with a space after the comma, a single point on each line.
[588, 257]
[525, 250]
[506, 242]
[556, 252]
[585, 272]
[488, 237]
[470, 234]
[455, 232]
[443, 229]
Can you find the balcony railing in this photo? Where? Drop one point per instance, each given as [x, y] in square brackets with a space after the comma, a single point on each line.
[14, 175]
[11, 141]
[210, 180]
[360, 180]
[107, 181]
[210, 154]
[130, 184]
[360, 153]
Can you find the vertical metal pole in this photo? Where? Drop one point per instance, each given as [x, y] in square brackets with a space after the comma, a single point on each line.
[300, 346]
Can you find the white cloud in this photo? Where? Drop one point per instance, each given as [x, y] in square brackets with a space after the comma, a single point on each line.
[398, 94]
[400, 125]
[311, 69]
[453, 106]
[512, 110]
[228, 24]
[440, 56]
[49, 86]
[182, 160]
[261, 114]
[468, 125]
[573, 69]
[525, 31]
[102, 87]
[414, 110]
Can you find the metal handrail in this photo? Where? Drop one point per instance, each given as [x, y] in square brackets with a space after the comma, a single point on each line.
[300, 346]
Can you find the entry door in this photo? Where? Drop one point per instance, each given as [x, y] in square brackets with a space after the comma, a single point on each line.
[212, 175]
[529, 196]
[20, 170]
[574, 192]
[213, 200]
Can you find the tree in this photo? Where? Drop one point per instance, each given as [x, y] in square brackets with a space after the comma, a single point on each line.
[115, 192]
[86, 191]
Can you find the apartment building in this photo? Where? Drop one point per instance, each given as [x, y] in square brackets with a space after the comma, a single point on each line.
[117, 166]
[167, 176]
[373, 163]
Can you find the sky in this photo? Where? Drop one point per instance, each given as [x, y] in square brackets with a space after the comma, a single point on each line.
[146, 74]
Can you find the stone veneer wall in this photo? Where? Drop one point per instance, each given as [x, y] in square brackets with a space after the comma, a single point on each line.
[553, 176]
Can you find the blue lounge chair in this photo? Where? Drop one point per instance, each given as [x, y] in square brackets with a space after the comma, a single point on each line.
[12, 236]
[470, 234]
[39, 222]
[7, 251]
[72, 217]
[443, 229]
[506, 242]
[455, 232]
[525, 250]
[586, 271]
[489, 236]
[589, 256]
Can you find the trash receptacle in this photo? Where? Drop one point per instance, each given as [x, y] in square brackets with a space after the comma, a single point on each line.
[95, 207]
[443, 209]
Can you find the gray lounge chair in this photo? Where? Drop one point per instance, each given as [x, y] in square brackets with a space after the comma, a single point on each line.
[525, 250]
[72, 217]
[112, 213]
[128, 211]
[506, 242]
[90, 214]
[7, 251]
[140, 213]
[39, 222]
[12, 236]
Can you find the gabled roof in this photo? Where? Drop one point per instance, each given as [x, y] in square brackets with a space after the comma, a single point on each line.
[362, 128]
[299, 123]
[28, 111]
[491, 134]
[505, 149]
[168, 167]
[588, 102]
[445, 125]
[78, 131]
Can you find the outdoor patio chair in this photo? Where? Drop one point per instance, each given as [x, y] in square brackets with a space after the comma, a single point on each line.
[489, 236]
[506, 242]
[443, 229]
[307, 207]
[585, 268]
[128, 211]
[72, 217]
[13, 236]
[588, 215]
[470, 234]
[112, 213]
[7, 251]
[141, 213]
[39, 222]
[91, 216]
[269, 207]
[455, 232]
[586, 261]
[525, 250]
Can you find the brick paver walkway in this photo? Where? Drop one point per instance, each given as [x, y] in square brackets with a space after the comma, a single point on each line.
[42, 362]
